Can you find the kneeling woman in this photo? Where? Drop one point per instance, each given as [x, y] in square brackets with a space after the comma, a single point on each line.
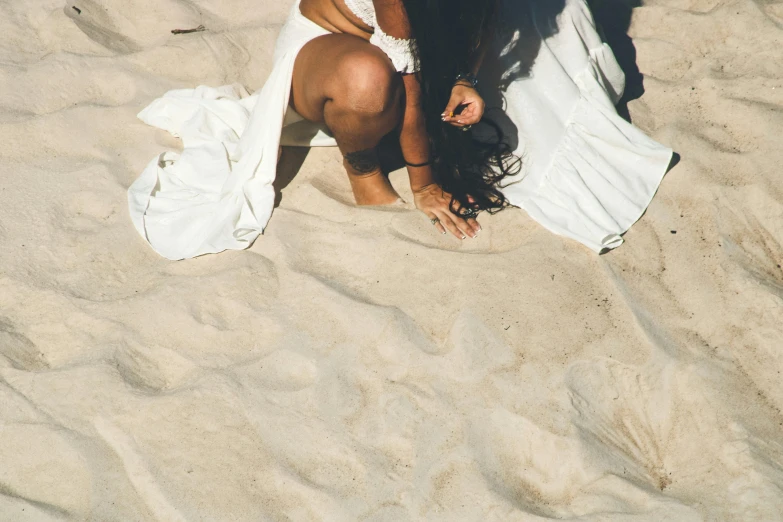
[367, 68]
[371, 77]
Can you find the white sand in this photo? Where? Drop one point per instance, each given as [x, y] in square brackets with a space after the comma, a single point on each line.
[352, 365]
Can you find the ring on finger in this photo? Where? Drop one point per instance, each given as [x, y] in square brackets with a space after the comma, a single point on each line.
[434, 221]
[466, 128]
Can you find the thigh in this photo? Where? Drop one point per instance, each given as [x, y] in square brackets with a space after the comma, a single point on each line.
[322, 71]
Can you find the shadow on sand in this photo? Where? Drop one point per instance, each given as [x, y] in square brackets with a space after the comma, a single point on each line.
[613, 18]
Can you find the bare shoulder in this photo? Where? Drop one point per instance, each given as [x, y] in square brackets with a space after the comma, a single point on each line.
[335, 16]
[392, 17]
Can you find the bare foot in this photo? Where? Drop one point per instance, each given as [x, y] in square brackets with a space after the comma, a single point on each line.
[371, 189]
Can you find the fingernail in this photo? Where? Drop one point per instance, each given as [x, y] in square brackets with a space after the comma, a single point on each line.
[444, 233]
[464, 237]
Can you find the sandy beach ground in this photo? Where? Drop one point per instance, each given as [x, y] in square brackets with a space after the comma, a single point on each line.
[352, 365]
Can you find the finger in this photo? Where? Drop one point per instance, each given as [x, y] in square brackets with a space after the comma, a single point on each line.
[468, 225]
[448, 222]
[455, 120]
[461, 112]
[440, 228]
[438, 225]
[464, 227]
[472, 221]
[457, 106]
[470, 116]
[480, 109]
[460, 121]
[464, 122]
[469, 112]
[451, 107]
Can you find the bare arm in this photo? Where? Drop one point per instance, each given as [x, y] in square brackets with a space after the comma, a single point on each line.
[414, 139]
[463, 94]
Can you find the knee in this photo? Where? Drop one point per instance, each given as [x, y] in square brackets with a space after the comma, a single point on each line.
[371, 85]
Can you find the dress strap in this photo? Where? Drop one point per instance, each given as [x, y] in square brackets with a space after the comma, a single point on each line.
[399, 50]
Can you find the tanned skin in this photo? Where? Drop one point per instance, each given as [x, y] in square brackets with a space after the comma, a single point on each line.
[343, 81]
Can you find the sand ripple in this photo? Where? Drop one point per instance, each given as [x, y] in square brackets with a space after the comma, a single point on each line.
[354, 366]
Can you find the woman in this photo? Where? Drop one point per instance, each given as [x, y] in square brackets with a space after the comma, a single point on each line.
[368, 78]
[366, 68]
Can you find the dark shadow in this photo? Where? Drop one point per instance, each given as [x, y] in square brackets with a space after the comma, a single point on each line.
[524, 25]
[390, 153]
[293, 157]
[287, 169]
[613, 18]
[673, 163]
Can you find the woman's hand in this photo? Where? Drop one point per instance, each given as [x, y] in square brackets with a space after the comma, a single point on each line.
[436, 204]
[472, 103]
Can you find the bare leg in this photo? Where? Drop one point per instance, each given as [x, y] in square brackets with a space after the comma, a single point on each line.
[352, 87]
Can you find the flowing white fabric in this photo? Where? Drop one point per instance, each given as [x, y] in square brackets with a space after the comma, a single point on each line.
[588, 174]
[217, 194]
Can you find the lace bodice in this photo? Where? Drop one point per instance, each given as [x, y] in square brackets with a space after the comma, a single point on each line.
[364, 9]
[397, 49]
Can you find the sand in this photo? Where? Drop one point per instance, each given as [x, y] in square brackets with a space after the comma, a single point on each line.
[352, 365]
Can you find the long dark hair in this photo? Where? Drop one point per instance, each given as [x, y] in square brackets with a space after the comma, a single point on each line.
[470, 164]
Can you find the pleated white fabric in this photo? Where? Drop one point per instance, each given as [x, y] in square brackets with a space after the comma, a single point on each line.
[217, 194]
[588, 174]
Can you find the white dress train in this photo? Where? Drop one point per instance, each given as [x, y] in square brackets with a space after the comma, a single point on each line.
[588, 174]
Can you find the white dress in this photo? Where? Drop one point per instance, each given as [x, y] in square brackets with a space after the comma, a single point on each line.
[588, 174]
